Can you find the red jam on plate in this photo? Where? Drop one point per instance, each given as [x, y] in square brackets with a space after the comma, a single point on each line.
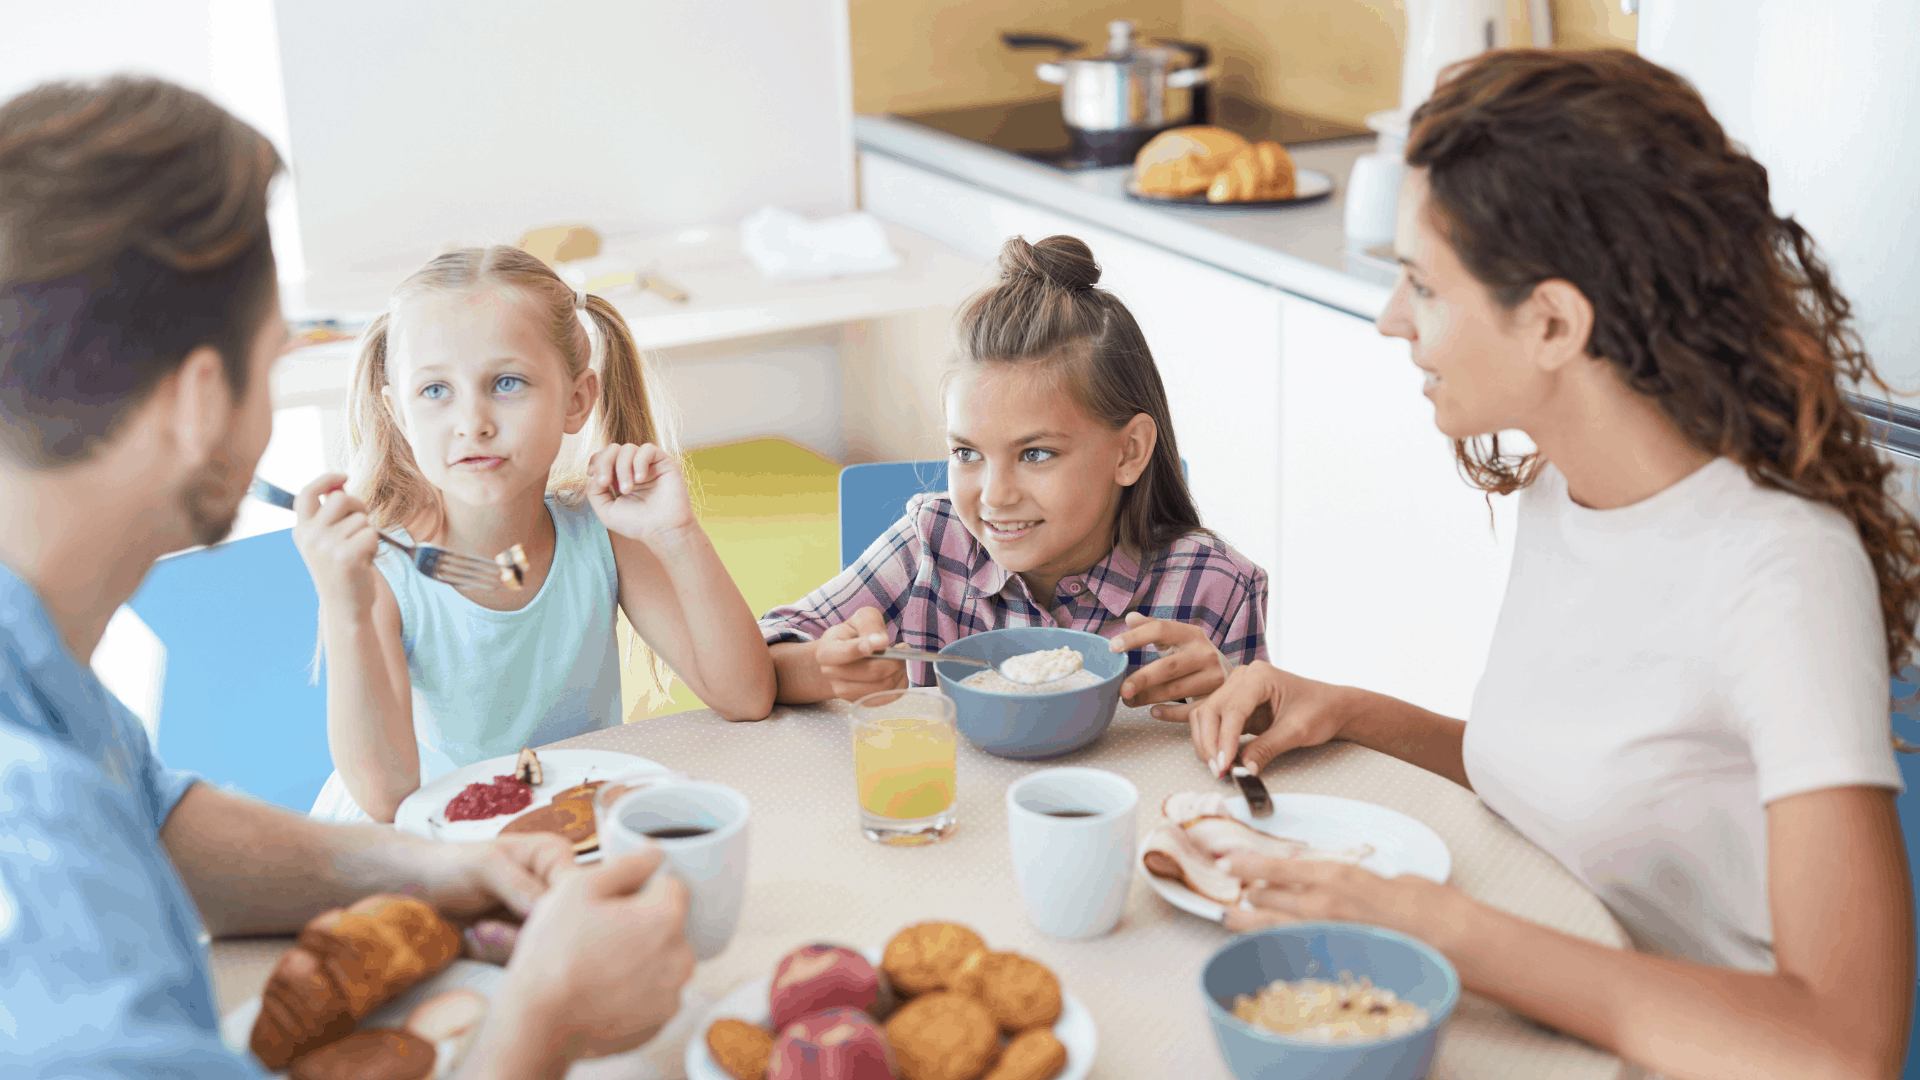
[504, 795]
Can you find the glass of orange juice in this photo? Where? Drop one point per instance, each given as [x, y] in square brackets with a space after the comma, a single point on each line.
[903, 751]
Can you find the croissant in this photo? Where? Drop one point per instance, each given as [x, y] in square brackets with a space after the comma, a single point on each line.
[1260, 172]
[347, 963]
[1183, 161]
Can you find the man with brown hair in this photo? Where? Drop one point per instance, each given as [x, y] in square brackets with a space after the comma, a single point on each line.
[139, 322]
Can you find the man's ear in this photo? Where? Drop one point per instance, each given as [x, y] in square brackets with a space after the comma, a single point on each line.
[580, 403]
[1138, 439]
[1557, 320]
[196, 406]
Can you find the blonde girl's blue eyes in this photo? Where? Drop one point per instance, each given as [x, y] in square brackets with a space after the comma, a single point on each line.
[501, 384]
[435, 391]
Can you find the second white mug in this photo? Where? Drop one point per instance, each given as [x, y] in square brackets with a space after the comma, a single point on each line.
[1071, 833]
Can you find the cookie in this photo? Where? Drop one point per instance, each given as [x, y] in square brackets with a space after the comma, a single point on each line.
[1021, 993]
[925, 957]
[740, 1048]
[1032, 1055]
[943, 1036]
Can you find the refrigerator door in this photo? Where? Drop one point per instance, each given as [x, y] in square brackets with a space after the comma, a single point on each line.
[1826, 96]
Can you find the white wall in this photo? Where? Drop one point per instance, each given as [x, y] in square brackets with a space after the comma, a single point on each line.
[225, 49]
[421, 122]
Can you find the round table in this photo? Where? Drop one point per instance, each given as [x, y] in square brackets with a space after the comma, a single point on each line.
[813, 877]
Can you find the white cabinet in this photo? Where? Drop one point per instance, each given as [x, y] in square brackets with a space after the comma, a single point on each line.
[1391, 567]
[1309, 444]
[1214, 335]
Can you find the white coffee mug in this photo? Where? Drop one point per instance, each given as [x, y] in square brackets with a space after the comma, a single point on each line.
[712, 864]
[1071, 832]
[1373, 199]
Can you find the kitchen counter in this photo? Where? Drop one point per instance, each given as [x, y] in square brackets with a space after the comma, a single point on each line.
[1300, 249]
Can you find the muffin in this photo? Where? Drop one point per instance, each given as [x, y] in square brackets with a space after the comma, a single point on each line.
[944, 1036]
[924, 958]
[741, 1049]
[1021, 993]
[1032, 1055]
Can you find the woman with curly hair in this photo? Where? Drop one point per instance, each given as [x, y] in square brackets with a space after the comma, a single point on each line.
[1686, 697]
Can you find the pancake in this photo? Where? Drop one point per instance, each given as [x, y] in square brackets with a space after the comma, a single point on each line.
[570, 814]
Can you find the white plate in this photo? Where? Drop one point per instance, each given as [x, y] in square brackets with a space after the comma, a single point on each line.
[1401, 845]
[748, 1002]
[237, 1026]
[423, 813]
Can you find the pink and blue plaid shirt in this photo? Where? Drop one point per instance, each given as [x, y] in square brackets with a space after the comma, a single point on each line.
[934, 583]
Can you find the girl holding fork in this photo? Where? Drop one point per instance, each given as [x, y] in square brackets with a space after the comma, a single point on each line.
[464, 398]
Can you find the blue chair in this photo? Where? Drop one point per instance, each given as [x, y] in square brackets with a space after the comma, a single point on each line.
[238, 621]
[872, 498]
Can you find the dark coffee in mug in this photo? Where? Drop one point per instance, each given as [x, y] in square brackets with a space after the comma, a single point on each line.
[1071, 813]
[678, 832]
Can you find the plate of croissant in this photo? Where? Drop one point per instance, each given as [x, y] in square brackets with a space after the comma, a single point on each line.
[372, 990]
[1212, 166]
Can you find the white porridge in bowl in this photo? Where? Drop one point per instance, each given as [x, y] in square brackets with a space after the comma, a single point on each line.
[1049, 671]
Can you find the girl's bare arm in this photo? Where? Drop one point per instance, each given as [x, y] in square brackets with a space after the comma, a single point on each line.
[370, 704]
[685, 605]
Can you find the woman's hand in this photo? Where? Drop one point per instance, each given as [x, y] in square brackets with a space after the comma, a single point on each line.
[1189, 666]
[1304, 890]
[1284, 710]
[337, 543]
[638, 492]
[844, 653]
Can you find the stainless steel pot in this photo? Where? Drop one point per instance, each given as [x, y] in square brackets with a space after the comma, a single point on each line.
[1113, 103]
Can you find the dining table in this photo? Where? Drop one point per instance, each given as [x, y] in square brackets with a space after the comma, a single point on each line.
[813, 876]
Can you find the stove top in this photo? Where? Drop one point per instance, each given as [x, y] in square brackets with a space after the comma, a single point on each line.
[1034, 130]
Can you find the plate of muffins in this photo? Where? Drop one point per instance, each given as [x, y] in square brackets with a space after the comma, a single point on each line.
[935, 1004]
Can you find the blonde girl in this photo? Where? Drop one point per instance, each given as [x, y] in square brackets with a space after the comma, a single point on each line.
[465, 396]
[1067, 507]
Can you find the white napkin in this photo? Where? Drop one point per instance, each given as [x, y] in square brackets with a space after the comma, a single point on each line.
[787, 247]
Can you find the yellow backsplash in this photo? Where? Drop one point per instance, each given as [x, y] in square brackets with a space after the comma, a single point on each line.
[1338, 59]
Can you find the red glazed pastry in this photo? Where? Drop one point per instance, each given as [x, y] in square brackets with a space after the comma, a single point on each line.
[817, 977]
[839, 1044]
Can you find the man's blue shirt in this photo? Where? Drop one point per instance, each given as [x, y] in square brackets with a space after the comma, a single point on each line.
[103, 958]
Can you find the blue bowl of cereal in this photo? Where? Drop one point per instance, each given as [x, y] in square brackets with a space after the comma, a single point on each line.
[1328, 1001]
[1028, 721]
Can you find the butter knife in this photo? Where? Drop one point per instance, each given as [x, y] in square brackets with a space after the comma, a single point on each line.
[1259, 803]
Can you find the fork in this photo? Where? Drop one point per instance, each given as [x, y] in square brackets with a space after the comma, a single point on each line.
[462, 571]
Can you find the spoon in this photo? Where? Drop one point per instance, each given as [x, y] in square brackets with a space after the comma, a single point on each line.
[898, 652]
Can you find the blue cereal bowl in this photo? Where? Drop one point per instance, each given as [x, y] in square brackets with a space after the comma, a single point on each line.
[1323, 950]
[1030, 727]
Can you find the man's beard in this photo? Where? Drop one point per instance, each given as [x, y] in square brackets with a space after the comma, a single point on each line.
[211, 500]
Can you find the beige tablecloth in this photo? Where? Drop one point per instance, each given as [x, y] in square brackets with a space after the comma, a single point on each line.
[814, 877]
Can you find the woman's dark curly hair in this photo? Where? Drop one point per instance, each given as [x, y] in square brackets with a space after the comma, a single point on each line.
[1606, 170]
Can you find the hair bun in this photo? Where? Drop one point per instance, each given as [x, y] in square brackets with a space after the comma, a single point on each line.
[1061, 261]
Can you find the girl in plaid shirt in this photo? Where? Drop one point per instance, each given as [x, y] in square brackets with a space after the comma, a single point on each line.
[1067, 508]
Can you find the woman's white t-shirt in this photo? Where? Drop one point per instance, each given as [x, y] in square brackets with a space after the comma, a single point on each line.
[1662, 671]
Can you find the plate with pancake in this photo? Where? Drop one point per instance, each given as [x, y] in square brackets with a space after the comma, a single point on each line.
[1309, 185]
[567, 778]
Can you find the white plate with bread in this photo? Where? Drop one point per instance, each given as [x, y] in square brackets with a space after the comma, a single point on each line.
[1210, 166]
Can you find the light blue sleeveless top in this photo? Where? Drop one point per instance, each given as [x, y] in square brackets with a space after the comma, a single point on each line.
[486, 683]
